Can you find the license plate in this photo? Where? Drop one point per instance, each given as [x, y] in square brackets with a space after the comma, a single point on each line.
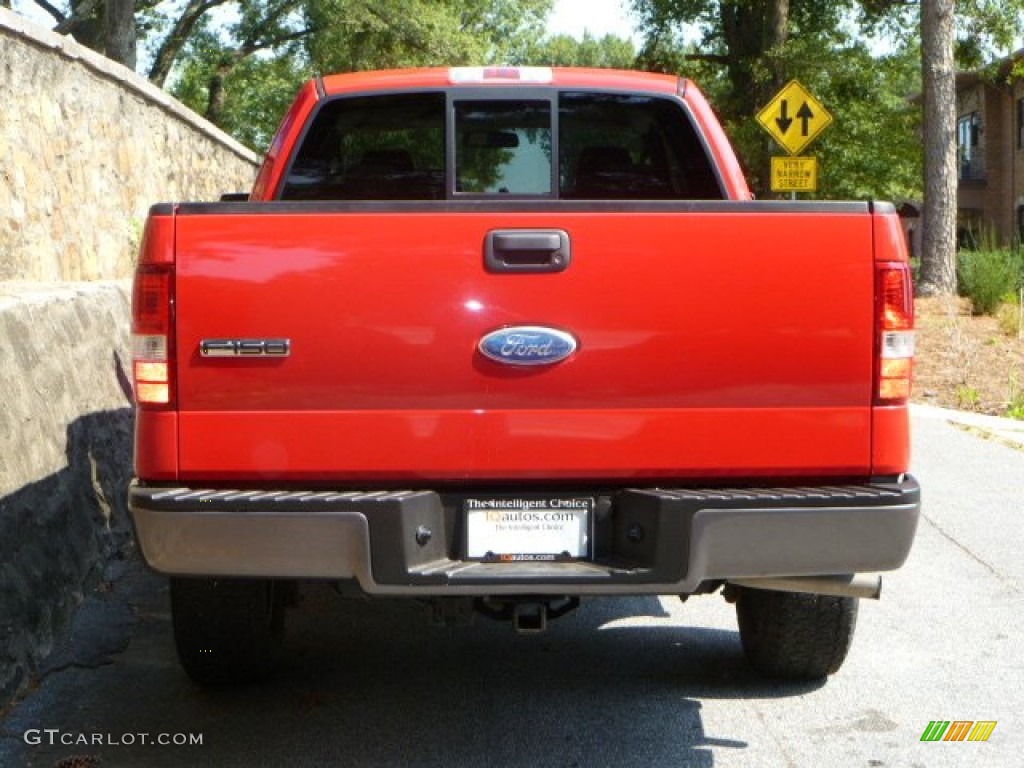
[528, 528]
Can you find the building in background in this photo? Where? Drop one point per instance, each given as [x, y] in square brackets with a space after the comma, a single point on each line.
[990, 153]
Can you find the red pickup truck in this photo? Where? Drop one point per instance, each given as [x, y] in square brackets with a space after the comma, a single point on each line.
[499, 339]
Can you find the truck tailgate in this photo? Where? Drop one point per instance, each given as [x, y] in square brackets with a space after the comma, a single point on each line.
[714, 342]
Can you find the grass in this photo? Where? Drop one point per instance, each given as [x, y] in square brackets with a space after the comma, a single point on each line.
[1008, 315]
[1015, 405]
[968, 398]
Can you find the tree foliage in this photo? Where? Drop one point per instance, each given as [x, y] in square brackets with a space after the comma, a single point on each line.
[871, 149]
[607, 52]
[248, 99]
[354, 35]
[262, 26]
[228, 75]
[239, 62]
[745, 39]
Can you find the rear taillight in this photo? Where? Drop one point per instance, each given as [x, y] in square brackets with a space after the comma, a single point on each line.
[894, 323]
[152, 324]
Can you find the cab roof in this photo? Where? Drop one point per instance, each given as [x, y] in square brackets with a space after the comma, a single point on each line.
[474, 77]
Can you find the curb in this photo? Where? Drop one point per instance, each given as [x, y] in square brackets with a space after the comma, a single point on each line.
[1010, 431]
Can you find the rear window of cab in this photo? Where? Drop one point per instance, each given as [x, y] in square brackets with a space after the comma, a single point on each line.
[571, 145]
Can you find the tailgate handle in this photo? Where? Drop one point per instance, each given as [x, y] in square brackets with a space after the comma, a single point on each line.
[527, 250]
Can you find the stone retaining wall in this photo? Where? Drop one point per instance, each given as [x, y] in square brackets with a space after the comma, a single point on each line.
[65, 458]
[86, 146]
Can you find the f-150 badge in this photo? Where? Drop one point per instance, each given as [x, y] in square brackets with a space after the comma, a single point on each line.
[527, 345]
[245, 347]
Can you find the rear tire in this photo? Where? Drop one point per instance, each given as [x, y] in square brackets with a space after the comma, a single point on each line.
[795, 635]
[228, 631]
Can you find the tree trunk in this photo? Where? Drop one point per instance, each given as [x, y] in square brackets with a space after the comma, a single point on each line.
[778, 34]
[122, 37]
[742, 28]
[217, 96]
[754, 31]
[938, 247]
[85, 24]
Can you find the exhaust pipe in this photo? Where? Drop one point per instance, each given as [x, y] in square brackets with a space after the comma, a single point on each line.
[867, 585]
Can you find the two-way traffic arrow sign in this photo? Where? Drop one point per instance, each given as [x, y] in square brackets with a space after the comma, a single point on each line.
[794, 118]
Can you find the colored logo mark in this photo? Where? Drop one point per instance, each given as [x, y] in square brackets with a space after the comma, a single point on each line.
[958, 730]
[527, 345]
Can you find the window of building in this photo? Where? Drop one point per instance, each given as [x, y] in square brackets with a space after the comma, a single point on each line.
[1020, 123]
[968, 131]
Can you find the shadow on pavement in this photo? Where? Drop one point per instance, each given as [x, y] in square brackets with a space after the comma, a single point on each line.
[373, 683]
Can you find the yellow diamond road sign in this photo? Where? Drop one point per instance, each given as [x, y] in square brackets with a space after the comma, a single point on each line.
[794, 118]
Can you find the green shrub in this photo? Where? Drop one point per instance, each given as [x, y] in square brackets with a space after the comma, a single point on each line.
[987, 276]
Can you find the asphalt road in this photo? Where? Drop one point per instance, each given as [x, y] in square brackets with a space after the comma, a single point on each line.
[641, 682]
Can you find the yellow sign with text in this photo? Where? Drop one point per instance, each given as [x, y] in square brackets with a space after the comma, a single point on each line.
[794, 174]
[794, 117]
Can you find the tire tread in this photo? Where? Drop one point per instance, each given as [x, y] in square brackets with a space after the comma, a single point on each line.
[795, 635]
[227, 631]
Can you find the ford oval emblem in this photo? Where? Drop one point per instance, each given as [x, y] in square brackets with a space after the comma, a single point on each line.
[527, 345]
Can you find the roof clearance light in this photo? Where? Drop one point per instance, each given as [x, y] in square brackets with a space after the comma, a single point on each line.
[458, 75]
